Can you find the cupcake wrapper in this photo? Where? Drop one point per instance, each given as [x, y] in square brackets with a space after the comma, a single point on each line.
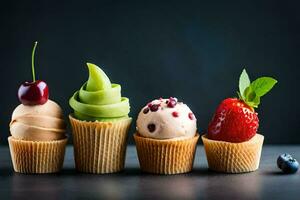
[233, 157]
[99, 147]
[36, 157]
[166, 156]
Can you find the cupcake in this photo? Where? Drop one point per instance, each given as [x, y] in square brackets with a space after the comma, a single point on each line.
[100, 124]
[37, 142]
[232, 144]
[166, 137]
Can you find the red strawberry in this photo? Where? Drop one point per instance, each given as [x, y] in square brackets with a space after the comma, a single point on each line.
[234, 121]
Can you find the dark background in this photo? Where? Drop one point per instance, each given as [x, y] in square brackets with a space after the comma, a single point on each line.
[194, 50]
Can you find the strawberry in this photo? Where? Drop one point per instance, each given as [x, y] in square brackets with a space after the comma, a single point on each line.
[235, 120]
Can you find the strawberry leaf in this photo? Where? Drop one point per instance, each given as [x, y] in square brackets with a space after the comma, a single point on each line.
[244, 82]
[263, 85]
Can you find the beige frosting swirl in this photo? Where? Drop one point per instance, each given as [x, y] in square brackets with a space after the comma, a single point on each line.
[38, 123]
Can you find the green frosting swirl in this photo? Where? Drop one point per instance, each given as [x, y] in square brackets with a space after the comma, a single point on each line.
[99, 99]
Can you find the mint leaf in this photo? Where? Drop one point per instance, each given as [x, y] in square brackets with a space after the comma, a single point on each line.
[263, 85]
[244, 82]
[240, 96]
[249, 94]
[254, 103]
[251, 98]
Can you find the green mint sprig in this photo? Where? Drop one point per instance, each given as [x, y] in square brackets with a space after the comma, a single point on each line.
[250, 93]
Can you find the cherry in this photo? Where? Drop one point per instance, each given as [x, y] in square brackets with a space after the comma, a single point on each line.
[35, 92]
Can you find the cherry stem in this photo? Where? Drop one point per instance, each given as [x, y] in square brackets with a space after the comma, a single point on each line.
[32, 61]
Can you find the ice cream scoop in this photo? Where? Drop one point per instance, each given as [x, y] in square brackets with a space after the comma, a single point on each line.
[38, 123]
[99, 99]
[166, 119]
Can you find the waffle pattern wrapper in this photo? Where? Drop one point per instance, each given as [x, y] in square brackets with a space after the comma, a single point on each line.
[100, 147]
[233, 157]
[37, 157]
[166, 156]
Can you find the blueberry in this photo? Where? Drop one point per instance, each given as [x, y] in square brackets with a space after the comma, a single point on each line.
[287, 163]
[283, 158]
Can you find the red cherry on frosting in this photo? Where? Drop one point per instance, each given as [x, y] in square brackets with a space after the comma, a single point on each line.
[33, 93]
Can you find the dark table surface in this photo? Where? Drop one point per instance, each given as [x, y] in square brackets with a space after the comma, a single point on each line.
[266, 183]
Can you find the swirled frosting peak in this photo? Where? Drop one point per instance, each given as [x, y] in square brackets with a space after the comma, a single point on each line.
[38, 123]
[99, 99]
